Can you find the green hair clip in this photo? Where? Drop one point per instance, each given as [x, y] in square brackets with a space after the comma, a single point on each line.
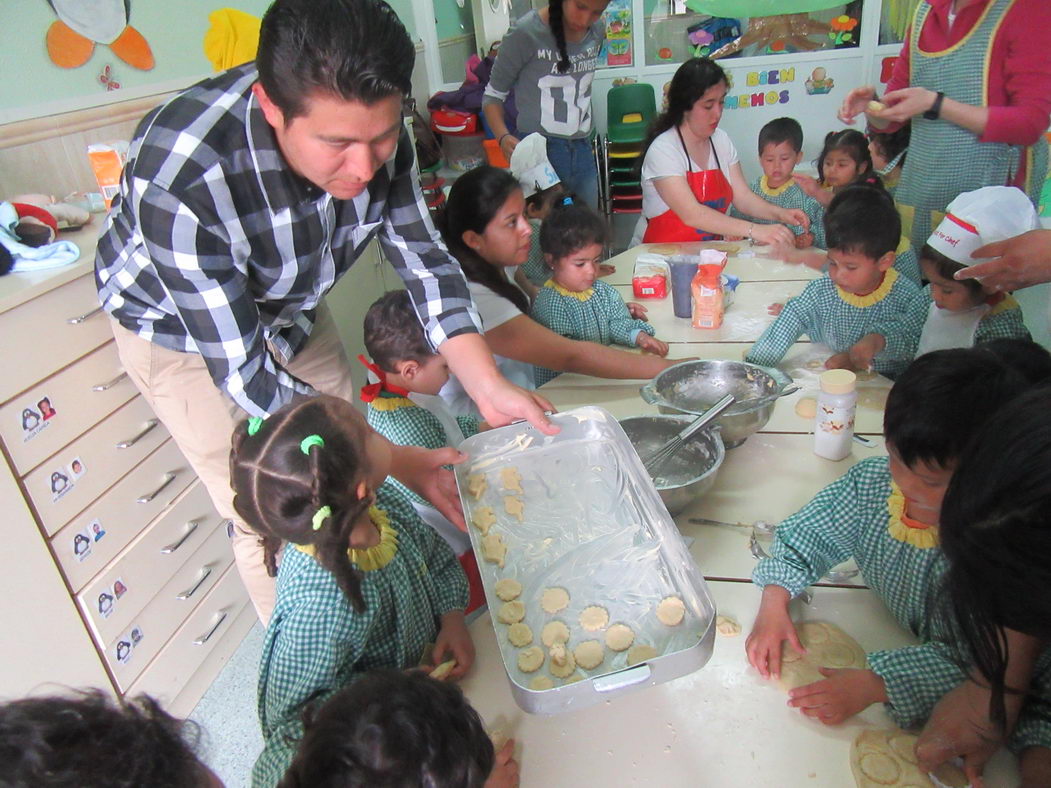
[320, 516]
[311, 440]
[255, 423]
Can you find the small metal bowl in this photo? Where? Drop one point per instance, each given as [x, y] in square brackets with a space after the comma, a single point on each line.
[690, 473]
[694, 386]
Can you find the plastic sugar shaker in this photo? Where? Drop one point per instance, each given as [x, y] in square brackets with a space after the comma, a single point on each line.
[836, 404]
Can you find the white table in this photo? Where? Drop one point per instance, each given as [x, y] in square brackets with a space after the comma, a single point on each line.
[750, 264]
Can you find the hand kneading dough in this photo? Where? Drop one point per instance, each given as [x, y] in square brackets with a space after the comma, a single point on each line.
[511, 612]
[541, 683]
[594, 617]
[876, 106]
[671, 611]
[619, 637]
[508, 589]
[827, 646]
[554, 632]
[511, 479]
[476, 485]
[887, 759]
[519, 635]
[566, 665]
[640, 652]
[589, 654]
[494, 549]
[806, 407]
[554, 599]
[483, 519]
[725, 625]
[530, 660]
[443, 670]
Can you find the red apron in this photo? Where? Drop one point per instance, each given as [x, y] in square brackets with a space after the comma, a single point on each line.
[710, 187]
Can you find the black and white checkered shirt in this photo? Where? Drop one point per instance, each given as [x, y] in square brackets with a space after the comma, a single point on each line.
[216, 247]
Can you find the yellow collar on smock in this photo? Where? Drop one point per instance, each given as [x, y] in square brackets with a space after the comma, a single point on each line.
[371, 558]
[905, 529]
[877, 295]
[582, 295]
[764, 184]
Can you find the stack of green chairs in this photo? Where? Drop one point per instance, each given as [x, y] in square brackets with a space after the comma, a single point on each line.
[629, 111]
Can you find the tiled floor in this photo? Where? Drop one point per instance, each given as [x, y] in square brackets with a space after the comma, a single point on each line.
[227, 715]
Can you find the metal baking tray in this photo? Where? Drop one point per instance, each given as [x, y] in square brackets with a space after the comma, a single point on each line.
[594, 525]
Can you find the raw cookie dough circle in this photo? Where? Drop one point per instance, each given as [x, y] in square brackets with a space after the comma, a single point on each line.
[519, 635]
[827, 646]
[806, 407]
[640, 652]
[530, 660]
[881, 769]
[589, 654]
[837, 655]
[904, 747]
[507, 589]
[554, 599]
[813, 633]
[511, 612]
[540, 683]
[725, 625]
[573, 679]
[671, 611]
[594, 617]
[554, 632]
[566, 668]
[619, 637]
[789, 653]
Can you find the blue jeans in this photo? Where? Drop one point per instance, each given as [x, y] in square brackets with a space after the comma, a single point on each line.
[575, 164]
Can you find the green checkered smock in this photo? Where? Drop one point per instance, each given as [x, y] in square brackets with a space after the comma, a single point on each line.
[907, 263]
[792, 197]
[599, 315]
[534, 268]
[316, 644]
[821, 312]
[849, 519]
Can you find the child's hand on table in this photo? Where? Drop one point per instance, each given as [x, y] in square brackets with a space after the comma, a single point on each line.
[838, 361]
[772, 626]
[636, 310]
[454, 641]
[505, 768]
[865, 350]
[794, 217]
[775, 309]
[651, 345]
[804, 240]
[842, 694]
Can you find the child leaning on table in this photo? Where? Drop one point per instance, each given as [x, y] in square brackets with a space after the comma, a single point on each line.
[363, 584]
[859, 296]
[395, 728]
[883, 513]
[574, 302]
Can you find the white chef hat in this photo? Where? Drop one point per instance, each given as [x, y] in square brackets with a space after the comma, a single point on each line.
[984, 216]
[530, 166]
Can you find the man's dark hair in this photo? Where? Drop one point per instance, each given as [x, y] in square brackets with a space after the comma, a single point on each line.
[781, 130]
[356, 50]
[863, 219]
[393, 332]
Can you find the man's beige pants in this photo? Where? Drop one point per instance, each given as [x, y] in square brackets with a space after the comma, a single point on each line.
[201, 419]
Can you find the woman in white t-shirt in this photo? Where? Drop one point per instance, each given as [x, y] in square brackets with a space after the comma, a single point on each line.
[691, 174]
[486, 230]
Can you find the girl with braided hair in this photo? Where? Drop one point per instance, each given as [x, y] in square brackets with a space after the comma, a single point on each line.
[363, 583]
[548, 59]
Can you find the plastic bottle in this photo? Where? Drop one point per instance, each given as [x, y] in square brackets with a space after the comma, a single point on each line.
[836, 404]
[707, 291]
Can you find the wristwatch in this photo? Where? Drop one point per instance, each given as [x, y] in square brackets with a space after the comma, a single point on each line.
[936, 108]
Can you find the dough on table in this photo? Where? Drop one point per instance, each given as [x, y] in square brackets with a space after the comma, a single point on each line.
[815, 363]
[554, 632]
[483, 518]
[511, 479]
[671, 611]
[493, 549]
[589, 654]
[594, 617]
[507, 589]
[530, 659]
[806, 407]
[554, 599]
[514, 506]
[725, 625]
[827, 646]
[443, 670]
[564, 664]
[887, 759]
[541, 683]
[519, 634]
[619, 637]
[511, 612]
[663, 249]
[640, 652]
[477, 485]
[866, 374]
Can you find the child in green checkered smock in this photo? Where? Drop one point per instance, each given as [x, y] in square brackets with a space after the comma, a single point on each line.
[883, 513]
[363, 582]
[790, 195]
[573, 302]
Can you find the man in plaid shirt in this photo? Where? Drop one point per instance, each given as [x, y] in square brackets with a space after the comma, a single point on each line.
[243, 200]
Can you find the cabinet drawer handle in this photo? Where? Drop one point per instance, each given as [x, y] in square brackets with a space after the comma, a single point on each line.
[127, 444]
[76, 321]
[190, 528]
[206, 572]
[208, 635]
[109, 383]
[169, 477]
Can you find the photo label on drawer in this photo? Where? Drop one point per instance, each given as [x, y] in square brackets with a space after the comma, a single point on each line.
[109, 596]
[82, 540]
[64, 478]
[126, 643]
[36, 417]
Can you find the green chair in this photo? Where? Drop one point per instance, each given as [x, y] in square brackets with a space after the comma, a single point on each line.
[629, 111]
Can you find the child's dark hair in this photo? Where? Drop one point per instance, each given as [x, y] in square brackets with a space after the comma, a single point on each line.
[942, 399]
[569, 228]
[88, 739]
[393, 729]
[946, 267]
[853, 143]
[996, 534]
[781, 130]
[863, 219]
[474, 201]
[542, 200]
[692, 80]
[893, 144]
[558, 30]
[1023, 355]
[282, 475]
[393, 332]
